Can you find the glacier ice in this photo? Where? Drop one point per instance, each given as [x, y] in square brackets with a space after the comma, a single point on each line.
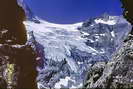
[70, 49]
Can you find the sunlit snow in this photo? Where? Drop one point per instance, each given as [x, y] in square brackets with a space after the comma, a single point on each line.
[66, 41]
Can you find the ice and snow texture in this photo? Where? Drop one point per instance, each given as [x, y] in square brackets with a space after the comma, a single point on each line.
[79, 47]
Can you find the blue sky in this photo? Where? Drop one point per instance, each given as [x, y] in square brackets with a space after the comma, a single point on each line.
[72, 11]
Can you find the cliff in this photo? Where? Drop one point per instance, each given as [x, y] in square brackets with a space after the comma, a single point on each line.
[117, 73]
[17, 59]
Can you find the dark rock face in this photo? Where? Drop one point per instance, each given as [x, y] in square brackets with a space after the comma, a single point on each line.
[11, 19]
[117, 73]
[127, 5]
[17, 59]
[18, 66]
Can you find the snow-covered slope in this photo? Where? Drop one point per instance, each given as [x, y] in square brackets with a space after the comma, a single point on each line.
[69, 50]
[65, 52]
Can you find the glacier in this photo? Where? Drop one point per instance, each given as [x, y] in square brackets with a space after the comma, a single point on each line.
[66, 51]
[70, 49]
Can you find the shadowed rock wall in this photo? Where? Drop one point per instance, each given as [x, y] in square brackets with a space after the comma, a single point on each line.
[11, 19]
[17, 59]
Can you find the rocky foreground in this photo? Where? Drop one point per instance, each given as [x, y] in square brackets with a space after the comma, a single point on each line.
[17, 64]
[17, 67]
[117, 73]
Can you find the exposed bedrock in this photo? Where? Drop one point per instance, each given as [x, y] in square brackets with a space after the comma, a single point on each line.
[17, 59]
[118, 72]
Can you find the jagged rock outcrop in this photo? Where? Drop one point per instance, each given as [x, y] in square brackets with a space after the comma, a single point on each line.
[117, 73]
[17, 59]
